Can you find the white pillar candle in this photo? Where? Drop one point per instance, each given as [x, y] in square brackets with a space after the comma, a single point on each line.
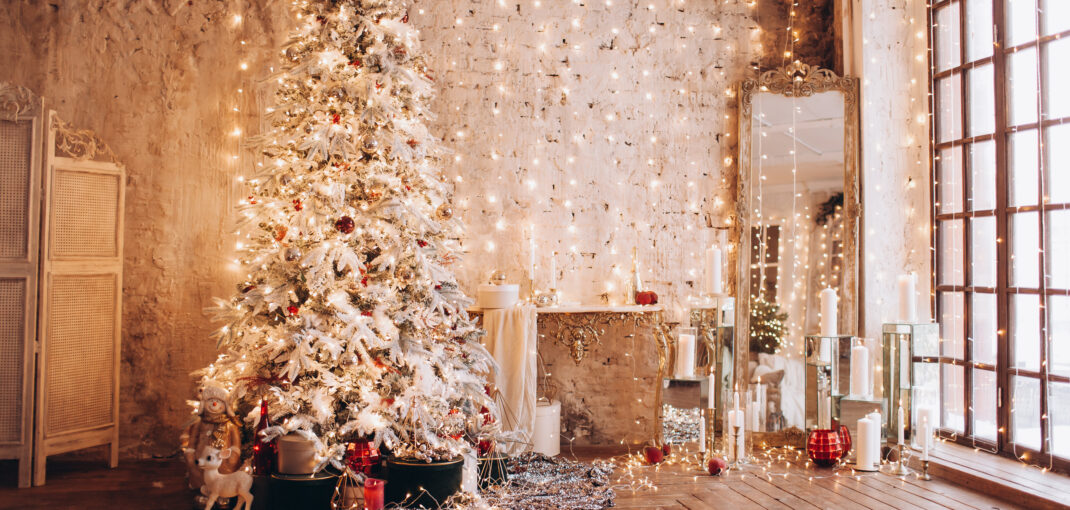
[864, 459]
[825, 349]
[860, 368]
[908, 301]
[877, 439]
[828, 312]
[685, 355]
[713, 281]
[901, 426]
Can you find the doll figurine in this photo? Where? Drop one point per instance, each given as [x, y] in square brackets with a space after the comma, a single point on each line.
[213, 427]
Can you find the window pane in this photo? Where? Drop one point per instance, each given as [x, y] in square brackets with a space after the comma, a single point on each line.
[983, 251]
[1059, 329]
[953, 414]
[952, 326]
[1057, 78]
[949, 114]
[978, 29]
[951, 261]
[982, 176]
[1025, 241]
[1057, 163]
[1022, 88]
[1022, 155]
[926, 388]
[1021, 21]
[948, 52]
[1056, 16]
[1025, 412]
[1025, 331]
[1058, 256]
[983, 324]
[1059, 412]
[984, 404]
[950, 174]
[982, 99]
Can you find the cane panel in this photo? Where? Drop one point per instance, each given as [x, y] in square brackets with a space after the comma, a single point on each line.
[80, 370]
[16, 142]
[12, 338]
[84, 214]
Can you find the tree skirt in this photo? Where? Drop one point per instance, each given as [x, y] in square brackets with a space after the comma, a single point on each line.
[538, 482]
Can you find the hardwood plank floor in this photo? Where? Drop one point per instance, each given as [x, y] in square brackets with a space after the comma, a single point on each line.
[781, 481]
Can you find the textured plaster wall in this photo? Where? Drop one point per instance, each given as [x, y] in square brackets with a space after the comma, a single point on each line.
[606, 125]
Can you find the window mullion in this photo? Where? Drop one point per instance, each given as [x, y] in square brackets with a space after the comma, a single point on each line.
[1003, 342]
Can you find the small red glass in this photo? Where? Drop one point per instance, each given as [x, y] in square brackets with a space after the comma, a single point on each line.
[362, 457]
[373, 493]
[824, 447]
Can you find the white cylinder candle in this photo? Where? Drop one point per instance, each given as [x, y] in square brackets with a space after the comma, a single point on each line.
[713, 281]
[923, 416]
[901, 426]
[702, 432]
[864, 459]
[908, 301]
[828, 312]
[685, 355]
[860, 368]
[712, 394]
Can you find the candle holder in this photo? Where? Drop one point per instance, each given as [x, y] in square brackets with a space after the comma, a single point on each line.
[740, 455]
[901, 343]
[900, 467]
[823, 363]
[925, 471]
[709, 417]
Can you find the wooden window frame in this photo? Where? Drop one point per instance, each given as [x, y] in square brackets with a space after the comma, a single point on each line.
[1003, 291]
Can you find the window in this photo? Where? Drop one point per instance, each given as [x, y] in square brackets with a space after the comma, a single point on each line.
[1001, 191]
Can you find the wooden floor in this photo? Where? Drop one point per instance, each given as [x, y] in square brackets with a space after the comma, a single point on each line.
[781, 482]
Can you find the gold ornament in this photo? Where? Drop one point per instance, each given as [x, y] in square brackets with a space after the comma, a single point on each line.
[444, 211]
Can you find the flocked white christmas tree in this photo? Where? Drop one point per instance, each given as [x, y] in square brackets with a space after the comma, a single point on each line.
[350, 322]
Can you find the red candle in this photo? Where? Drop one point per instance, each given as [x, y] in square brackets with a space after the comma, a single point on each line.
[373, 493]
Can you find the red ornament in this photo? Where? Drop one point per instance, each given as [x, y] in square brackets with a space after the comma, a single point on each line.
[345, 225]
[356, 63]
[653, 455]
[405, 19]
[485, 447]
[264, 454]
[292, 310]
[845, 440]
[421, 243]
[647, 297]
[824, 447]
[336, 118]
[297, 205]
[716, 466]
[666, 449]
[361, 457]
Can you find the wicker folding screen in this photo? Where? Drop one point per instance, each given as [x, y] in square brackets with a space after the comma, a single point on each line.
[21, 145]
[67, 192]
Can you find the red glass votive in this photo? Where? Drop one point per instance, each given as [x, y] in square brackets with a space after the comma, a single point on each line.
[373, 493]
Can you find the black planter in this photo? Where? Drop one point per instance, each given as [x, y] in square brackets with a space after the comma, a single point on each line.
[492, 471]
[438, 481]
[261, 492]
[307, 492]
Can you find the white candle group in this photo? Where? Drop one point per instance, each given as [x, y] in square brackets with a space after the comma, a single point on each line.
[861, 372]
[685, 355]
[828, 312]
[908, 301]
[713, 281]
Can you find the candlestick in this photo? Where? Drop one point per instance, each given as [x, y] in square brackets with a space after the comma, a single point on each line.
[828, 312]
[901, 468]
[925, 470]
[908, 302]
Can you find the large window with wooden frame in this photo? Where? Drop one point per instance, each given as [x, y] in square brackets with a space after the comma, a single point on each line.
[1001, 188]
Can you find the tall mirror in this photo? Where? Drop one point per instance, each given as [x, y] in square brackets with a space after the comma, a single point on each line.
[798, 206]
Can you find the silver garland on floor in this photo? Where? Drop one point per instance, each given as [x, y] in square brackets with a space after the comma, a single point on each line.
[680, 425]
[538, 482]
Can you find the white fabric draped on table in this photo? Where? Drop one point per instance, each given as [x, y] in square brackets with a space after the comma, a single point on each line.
[512, 340]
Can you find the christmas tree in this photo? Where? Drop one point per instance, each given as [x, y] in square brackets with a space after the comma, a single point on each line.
[350, 322]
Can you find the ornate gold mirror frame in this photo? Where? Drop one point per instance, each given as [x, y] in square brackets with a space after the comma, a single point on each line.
[796, 80]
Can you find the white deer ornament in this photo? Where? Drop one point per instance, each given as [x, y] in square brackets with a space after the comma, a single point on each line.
[227, 485]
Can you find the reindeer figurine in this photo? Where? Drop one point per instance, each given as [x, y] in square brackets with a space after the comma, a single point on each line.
[227, 485]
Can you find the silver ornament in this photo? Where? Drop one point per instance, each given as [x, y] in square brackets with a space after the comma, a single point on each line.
[292, 254]
[369, 145]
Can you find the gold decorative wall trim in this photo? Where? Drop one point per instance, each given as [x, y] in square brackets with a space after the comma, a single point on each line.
[80, 144]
